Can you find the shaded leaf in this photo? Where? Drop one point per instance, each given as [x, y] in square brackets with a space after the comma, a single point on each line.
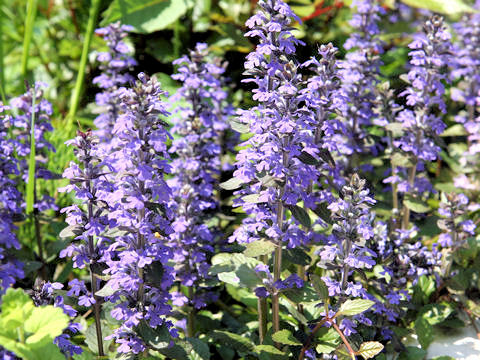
[424, 332]
[285, 337]
[235, 341]
[301, 215]
[416, 205]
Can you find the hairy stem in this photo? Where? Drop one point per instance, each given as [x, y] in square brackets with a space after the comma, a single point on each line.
[262, 310]
[191, 314]
[91, 248]
[345, 341]
[307, 344]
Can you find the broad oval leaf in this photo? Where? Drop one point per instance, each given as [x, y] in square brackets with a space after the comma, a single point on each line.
[258, 248]
[369, 349]
[354, 307]
[146, 16]
[301, 215]
[231, 184]
[416, 205]
[285, 337]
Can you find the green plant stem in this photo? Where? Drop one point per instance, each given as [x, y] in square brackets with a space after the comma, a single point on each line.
[27, 37]
[411, 181]
[2, 62]
[77, 91]
[97, 306]
[262, 310]
[97, 310]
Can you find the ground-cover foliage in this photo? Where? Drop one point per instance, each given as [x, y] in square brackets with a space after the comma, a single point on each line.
[322, 205]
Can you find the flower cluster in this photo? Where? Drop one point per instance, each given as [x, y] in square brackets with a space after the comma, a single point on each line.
[201, 127]
[270, 164]
[358, 73]
[455, 224]
[10, 202]
[346, 248]
[114, 65]
[24, 107]
[88, 182]
[138, 258]
[466, 68]
[422, 124]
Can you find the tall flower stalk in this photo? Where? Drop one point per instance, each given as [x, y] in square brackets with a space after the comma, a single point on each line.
[138, 258]
[11, 269]
[359, 75]
[201, 125]
[31, 123]
[430, 54]
[114, 64]
[270, 164]
[90, 185]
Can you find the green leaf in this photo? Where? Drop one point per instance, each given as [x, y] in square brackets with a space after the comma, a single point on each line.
[436, 313]
[236, 269]
[258, 248]
[395, 128]
[319, 286]
[157, 338]
[235, 341]
[29, 331]
[146, 16]
[91, 337]
[450, 7]
[297, 256]
[308, 159]
[416, 205]
[412, 353]
[424, 332]
[454, 130]
[45, 322]
[231, 184]
[301, 215]
[328, 340]
[252, 199]
[105, 291]
[200, 349]
[399, 159]
[354, 307]
[369, 349]
[269, 349]
[423, 289]
[285, 337]
[239, 127]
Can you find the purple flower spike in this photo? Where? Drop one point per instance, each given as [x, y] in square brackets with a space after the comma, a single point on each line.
[115, 65]
[10, 206]
[358, 73]
[202, 125]
[137, 259]
[423, 123]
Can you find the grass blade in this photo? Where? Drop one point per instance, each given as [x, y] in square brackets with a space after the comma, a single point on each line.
[27, 37]
[77, 91]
